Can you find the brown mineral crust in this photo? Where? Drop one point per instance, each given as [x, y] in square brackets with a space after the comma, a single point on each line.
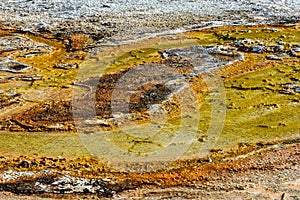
[7, 100]
[42, 116]
[45, 115]
[103, 95]
[181, 65]
[197, 173]
[142, 97]
[263, 168]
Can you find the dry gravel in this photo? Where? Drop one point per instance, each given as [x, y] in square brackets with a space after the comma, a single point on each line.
[130, 19]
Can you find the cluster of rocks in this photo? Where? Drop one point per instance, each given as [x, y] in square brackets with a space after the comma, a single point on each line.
[230, 52]
[48, 181]
[13, 46]
[251, 46]
[279, 51]
[68, 184]
[290, 88]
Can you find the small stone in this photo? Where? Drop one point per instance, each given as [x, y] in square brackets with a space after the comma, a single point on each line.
[294, 53]
[270, 29]
[273, 57]
[297, 89]
[278, 48]
[257, 49]
[247, 41]
[13, 66]
[245, 31]
[34, 163]
[297, 49]
[24, 164]
[231, 105]
[66, 66]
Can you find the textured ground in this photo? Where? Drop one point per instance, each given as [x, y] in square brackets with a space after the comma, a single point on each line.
[43, 44]
[133, 19]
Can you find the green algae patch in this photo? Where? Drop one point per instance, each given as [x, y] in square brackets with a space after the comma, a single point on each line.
[257, 107]
[51, 144]
[134, 57]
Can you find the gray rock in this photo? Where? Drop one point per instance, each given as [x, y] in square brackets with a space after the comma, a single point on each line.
[297, 89]
[12, 43]
[66, 66]
[278, 48]
[24, 164]
[273, 57]
[257, 49]
[270, 29]
[297, 49]
[68, 184]
[13, 66]
[281, 43]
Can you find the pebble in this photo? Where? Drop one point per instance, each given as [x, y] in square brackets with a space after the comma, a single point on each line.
[13, 66]
[270, 29]
[245, 31]
[56, 126]
[247, 41]
[297, 49]
[297, 89]
[283, 36]
[96, 122]
[278, 48]
[273, 57]
[26, 78]
[66, 66]
[257, 49]
[24, 164]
